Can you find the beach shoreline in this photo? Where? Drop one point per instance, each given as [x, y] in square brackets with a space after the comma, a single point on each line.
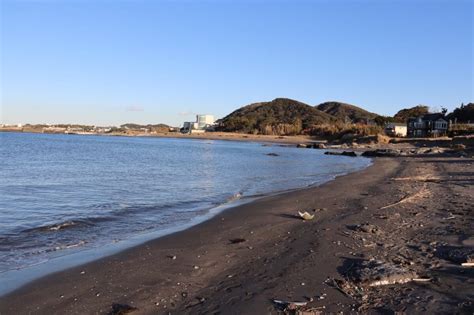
[244, 257]
[224, 136]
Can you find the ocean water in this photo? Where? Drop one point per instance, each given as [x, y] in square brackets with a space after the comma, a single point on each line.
[65, 194]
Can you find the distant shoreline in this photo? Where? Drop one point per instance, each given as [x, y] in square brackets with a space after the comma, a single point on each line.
[204, 136]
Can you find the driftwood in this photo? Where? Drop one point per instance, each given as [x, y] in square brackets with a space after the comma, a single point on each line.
[421, 279]
[423, 191]
[424, 178]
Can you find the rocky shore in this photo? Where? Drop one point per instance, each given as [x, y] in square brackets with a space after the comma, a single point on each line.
[396, 237]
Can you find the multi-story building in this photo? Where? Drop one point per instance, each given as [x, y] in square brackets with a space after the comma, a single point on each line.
[202, 123]
[429, 125]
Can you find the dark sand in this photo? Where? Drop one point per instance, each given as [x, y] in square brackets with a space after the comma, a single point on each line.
[425, 231]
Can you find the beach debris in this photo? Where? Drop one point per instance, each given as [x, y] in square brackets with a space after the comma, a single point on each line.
[305, 215]
[469, 261]
[459, 255]
[289, 305]
[120, 309]
[422, 178]
[301, 145]
[347, 288]
[281, 302]
[374, 273]
[297, 308]
[172, 257]
[450, 217]
[421, 279]
[196, 267]
[237, 240]
[366, 228]
[419, 194]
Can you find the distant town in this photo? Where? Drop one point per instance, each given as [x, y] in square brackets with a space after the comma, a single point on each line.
[287, 117]
[202, 124]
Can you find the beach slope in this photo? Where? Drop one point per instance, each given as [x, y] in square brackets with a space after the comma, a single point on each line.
[392, 237]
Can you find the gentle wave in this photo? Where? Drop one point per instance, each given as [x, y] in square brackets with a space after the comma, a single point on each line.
[68, 224]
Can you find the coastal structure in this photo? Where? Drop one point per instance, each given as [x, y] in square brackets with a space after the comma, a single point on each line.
[202, 124]
[396, 129]
[429, 125]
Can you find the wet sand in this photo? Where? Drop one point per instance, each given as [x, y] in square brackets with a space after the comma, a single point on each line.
[410, 215]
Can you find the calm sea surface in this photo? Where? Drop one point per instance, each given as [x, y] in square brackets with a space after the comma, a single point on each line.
[63, 194]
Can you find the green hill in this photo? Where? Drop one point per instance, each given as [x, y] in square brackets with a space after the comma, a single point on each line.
[404, 114]
[346, 112]
[282, 116]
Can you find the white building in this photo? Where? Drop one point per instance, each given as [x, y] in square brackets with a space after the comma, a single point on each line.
[202, 123]
[396, 129]
[205, 121]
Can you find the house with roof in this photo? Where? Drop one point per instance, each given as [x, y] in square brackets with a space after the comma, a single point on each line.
[429, 125]
[396, 129]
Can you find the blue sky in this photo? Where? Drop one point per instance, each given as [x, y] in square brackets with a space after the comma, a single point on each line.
[112, 62]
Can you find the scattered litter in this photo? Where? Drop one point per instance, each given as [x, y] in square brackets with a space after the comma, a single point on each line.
[201, 299]
[289, 306]
[281, 302]
[451, 216]
[345, 287]
[366, 228]
[305, 215]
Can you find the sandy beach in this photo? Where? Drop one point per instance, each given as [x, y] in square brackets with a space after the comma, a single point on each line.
[389, 238]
